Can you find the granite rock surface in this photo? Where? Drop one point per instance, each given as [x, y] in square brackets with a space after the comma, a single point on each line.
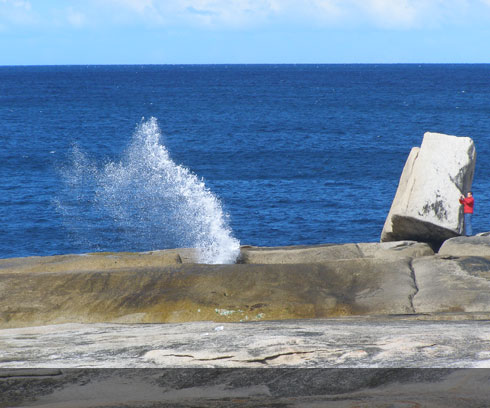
[304, 363]
[242, 335]
[426, 206]
[329, 252]
[324, 281]
[188, 292]
[264, 388]
[452, 284]
[478, 245]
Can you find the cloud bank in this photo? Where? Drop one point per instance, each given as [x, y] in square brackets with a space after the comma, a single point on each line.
[242, 14]
[398, 14]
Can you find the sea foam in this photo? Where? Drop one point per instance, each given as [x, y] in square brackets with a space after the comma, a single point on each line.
[147, 196]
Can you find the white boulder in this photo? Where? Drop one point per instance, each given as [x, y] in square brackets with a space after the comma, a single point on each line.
[426, 206]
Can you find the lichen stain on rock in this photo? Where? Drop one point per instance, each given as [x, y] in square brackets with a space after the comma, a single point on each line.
[227, 312]
[437, 208]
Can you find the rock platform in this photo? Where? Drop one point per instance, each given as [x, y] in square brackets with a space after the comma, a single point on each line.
[351, 325]
[261, 388]
[299, 282]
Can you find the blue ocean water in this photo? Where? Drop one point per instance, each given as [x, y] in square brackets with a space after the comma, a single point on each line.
[136, 158]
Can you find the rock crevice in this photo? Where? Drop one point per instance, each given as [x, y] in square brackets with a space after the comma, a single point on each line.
[416, 288]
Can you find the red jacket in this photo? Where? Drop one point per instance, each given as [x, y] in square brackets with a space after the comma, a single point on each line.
[468, 204]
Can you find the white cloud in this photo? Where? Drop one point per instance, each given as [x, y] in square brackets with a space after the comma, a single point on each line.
[229, 13]
[75, 18]
[246, 14]
[26, 5]
[139, 6]
[396, 14]
[328, 8]
[392, 14]
[134, 11]
[15, 12]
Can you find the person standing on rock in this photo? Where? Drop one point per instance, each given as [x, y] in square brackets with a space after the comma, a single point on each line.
[468, 205]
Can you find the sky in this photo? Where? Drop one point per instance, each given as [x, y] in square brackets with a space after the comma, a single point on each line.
[57, 32]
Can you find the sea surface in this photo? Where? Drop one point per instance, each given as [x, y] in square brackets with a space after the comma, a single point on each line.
[138, 158]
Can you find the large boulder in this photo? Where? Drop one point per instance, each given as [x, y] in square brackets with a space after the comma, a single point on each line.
[448, 284]
[426, 206]
[478, 245]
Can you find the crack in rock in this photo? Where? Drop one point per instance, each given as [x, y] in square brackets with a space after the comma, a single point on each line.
[414, 279]
[198, 359]
[27, 372]
[264, 360]
[427, 346]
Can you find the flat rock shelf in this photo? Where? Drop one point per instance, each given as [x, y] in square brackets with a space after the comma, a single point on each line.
[351, 325]
[344, 362]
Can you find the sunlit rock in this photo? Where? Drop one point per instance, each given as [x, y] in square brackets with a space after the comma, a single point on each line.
[331, 252]
[426, 206]
[298, 254]
[478, 245]
[191, 292]
[452, 284]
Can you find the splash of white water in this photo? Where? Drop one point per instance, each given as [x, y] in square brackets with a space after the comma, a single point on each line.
[149, 195]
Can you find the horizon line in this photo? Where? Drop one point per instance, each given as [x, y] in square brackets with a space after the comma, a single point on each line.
[241, 63]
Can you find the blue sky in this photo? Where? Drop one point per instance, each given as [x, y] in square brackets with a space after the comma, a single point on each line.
[46, 32]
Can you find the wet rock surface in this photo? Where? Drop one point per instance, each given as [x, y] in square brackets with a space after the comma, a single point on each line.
[349, 388]
[403, 277]
[208, 292]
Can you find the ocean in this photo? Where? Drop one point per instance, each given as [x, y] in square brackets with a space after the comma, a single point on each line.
[139, 158]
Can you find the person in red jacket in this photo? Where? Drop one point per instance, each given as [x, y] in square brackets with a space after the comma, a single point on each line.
[468, 205]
